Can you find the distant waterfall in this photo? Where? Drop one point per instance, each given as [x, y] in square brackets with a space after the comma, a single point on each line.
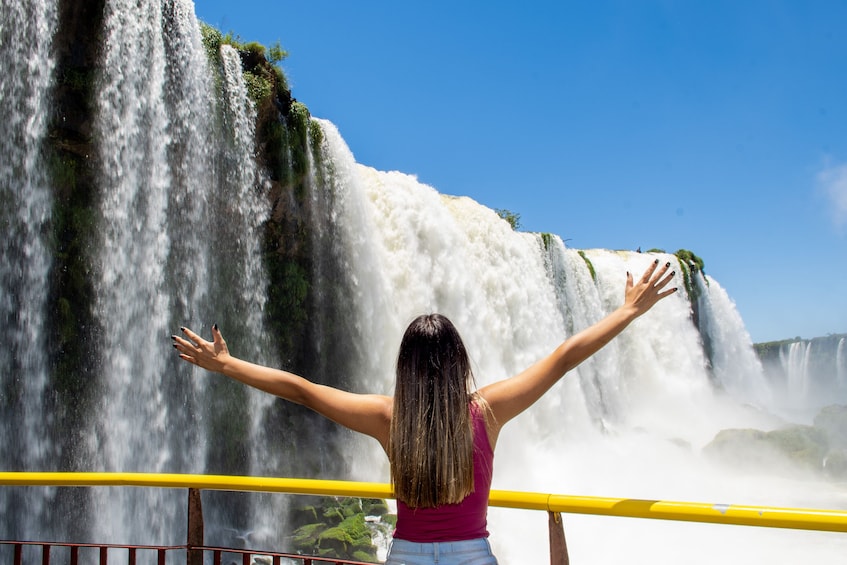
[808, 375]
[26, 36]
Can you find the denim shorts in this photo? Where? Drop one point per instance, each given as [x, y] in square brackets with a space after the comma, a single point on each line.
[468, 552]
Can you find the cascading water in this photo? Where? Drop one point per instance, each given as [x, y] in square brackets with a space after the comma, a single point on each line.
[628, 422]
[734, 363]
[809, 375]
[140, 128]
[26, 35]
[179, 238]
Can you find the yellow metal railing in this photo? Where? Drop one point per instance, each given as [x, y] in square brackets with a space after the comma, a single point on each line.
[733, 514]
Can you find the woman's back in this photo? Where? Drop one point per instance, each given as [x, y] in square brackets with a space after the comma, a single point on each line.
[453, 522]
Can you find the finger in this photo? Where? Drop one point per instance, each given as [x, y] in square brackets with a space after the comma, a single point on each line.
[668, 292]
[663, 282]
[649, 272]
[188, 358]
[192, 336]
[217, 337]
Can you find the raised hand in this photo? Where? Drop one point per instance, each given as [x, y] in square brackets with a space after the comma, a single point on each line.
[641, 296]
[210, 355]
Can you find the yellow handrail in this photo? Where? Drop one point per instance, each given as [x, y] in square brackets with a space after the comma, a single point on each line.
[764, 516]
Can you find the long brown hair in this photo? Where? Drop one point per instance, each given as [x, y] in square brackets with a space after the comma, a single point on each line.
[430, 447]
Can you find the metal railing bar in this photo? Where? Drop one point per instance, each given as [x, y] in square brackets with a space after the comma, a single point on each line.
[732, 514]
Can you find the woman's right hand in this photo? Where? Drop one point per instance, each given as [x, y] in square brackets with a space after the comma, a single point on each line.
[210, 355]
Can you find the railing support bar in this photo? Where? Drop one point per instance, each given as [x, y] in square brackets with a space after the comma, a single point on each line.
[558, 545]
[195, 528]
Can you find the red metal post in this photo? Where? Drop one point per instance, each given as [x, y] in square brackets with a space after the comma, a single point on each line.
[558, 545]
[195, 527]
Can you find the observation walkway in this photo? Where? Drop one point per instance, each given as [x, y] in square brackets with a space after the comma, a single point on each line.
[194, 550]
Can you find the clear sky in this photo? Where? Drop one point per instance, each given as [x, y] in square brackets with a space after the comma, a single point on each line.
[716, 126]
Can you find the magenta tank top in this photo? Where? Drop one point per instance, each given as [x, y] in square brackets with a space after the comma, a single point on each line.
[455, 522]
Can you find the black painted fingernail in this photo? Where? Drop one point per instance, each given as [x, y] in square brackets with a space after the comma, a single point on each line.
[182, 328]
[174, 346]
[675, 289]
[668, 264]
[673, 273]
[215, 327]
[656, 262]
[173, 337]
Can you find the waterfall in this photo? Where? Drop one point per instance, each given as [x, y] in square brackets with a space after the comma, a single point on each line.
[154, 174]
[179, 225]
[808, 375]
[628, 422]
[26, 35]
[734, 362]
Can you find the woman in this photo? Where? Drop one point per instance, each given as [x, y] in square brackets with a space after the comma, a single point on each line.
[439, 435]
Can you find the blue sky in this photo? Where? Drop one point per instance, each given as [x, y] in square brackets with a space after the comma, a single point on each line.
[715, 126]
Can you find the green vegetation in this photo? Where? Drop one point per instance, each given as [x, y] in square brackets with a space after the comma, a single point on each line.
[336, 528]
[589, 265]
[546, 239]
[513, 218]
[212, 41]
[261, 70]
[690, 264]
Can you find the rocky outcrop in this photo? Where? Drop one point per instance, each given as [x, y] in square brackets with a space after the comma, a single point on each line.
[820, 448]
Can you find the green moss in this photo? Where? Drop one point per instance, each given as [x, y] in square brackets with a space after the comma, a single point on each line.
[255, 48]
[589, 265]
[374, 507]
[343, 534]
[316, 137]
[546, 239]
[212, 41]
[258, 87]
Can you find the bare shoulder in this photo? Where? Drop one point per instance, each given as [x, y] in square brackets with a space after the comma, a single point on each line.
[492, 426]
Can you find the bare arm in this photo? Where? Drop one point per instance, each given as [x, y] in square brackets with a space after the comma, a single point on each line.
[369, 414]
[510, 397]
